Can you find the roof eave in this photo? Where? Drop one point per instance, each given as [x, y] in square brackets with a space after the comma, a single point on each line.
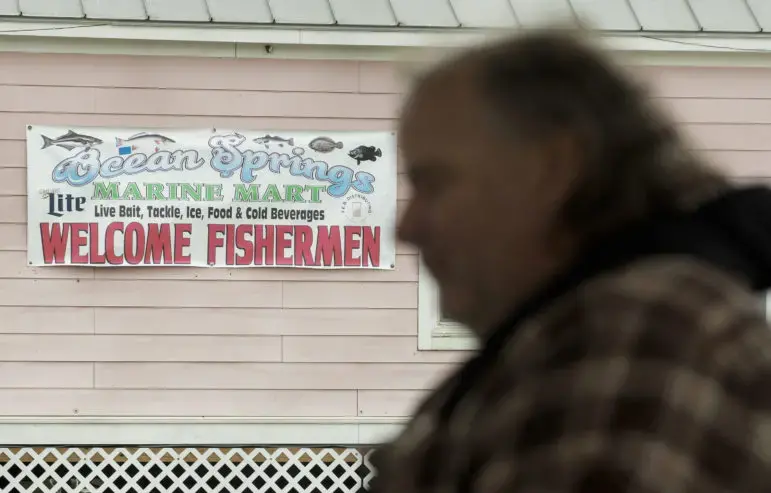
[361, 38]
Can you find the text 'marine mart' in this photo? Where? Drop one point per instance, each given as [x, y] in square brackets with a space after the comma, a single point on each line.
[100, 196]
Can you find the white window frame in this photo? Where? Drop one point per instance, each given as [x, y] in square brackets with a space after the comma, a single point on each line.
[435, 334]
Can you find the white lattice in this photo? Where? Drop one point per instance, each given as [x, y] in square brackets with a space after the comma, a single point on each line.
[183, 470]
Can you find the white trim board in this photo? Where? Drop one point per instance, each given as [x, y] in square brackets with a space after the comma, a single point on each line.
[26, 431]
[340, 43]
[305, 52]
[434, 334]
[340, 36]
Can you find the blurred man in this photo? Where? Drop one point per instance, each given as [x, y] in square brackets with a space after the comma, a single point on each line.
[613, 279]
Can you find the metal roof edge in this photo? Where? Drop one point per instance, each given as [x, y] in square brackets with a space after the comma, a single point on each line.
[358, 36]
[334, 42]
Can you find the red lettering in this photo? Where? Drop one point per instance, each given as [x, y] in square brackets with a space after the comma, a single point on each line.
[351, 244]
[328, 245]
[165, 244]
[134, 242]
[77, 240]
[54, 241]
[370, 246]
[93, 245]
[230, 247]
[264, 245]
[244, 244]
[282, 243]
[214, 242]
[303, 241]
[181, 241]
[158, 244]
[109, 243]
[151, 247]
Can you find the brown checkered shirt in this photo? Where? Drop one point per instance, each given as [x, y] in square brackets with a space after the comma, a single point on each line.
[653, 377]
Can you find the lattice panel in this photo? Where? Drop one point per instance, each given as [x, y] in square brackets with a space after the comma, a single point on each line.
[184, 470]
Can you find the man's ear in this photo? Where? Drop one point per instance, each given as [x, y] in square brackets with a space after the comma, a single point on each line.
[560, 155]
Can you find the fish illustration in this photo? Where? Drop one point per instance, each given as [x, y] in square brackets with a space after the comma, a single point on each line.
[70, 141]
[365, 153]
[324, 144]
[267, 139]
[158, 138]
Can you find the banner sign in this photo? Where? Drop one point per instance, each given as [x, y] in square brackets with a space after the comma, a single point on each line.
[210, 197]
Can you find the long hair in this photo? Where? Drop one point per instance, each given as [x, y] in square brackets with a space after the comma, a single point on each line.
[552, 81]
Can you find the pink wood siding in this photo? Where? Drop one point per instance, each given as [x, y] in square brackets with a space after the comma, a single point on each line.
[258, 342]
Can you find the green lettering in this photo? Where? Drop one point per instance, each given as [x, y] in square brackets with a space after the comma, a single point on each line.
[271, 194]
[173, 190]
[191, 192]
[315, 191]
[294, 193]
[105, 191]
[131, 192]
[213, 192]
[155, 191]
[246, 193]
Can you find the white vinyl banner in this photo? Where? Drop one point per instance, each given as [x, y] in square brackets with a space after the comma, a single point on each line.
[211, 197]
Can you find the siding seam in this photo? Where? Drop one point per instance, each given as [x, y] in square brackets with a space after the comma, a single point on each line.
[306, 320]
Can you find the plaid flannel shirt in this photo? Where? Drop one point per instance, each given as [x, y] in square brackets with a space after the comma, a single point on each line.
[651, 378]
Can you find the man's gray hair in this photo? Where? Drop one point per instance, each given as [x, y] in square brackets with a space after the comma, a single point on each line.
[553, 81]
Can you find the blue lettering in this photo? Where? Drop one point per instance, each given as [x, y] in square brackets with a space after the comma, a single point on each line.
[84, 167]
[364, 183]
[253, 161]
[225, 156]
[70, 169]
[342, 178]
[310, 169]
[112, 167]
[226, 159]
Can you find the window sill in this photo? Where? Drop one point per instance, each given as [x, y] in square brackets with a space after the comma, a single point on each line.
[449, 337]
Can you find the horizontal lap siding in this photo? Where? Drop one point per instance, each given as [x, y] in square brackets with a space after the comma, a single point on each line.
[194, 341]
[188, 403]
[251, 342]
